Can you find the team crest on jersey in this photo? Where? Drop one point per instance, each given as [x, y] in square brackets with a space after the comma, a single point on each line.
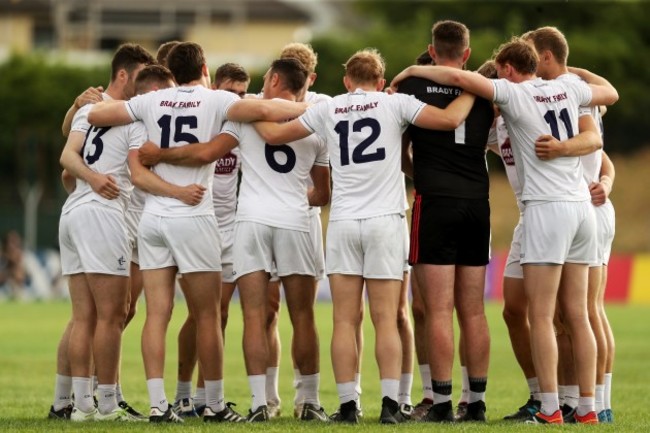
[506, 152]
[226, 164]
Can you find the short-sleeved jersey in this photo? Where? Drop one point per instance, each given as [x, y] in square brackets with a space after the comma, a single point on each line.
[105, 150]
[591, 163]
[224, 188]
[505, 152]
[450, 163]
[176, 117]
[363, 132]
[138, 198]
[273, 189]
[538, 107]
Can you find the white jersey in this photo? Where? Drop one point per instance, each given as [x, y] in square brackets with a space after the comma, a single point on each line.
[224, 188]
[505, 152]
[273, 189]
[175, 117]
[538, 107]
[314, 98]
[138, 198]
[105, 150]
[363, 131]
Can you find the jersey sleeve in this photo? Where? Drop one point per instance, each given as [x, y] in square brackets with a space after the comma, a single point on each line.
[80, 120]
[311, 119]
[322, 155]
[583, 92]
[409, 105]
[137, 105]
[137, 135]
[232, 128]
[227, 99]
[502, 91]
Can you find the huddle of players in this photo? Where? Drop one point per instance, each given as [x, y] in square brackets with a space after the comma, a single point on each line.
[366, 235]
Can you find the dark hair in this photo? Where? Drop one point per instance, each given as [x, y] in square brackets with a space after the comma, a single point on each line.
[232, 72]
[152, 74]
[292, 73]
[424, 58]
[163, 51]
[186, 62]
[450, 39]
[129, 57]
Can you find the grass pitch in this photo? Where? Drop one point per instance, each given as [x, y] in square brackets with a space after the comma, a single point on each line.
[29, 334]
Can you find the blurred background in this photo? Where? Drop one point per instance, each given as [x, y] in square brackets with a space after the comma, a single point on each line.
[52, 50]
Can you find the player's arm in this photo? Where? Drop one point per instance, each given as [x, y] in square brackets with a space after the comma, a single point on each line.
[150, 182]
[447, 119]
[320, 193]
[69, 181]
[603, 93]
[195, 154]
[587, 141]
[281, 133]
[91, 95]
[600, 190]
[407, 156]
[71, 160]
[276, 110]
[109, 113]
[470, 81]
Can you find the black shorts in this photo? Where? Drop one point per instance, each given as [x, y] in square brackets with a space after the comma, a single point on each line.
[450, 231]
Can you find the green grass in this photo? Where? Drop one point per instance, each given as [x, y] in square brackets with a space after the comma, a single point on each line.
[29, 334]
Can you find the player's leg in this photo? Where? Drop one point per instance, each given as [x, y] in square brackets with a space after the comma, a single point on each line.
[62, 405]
[110, 293]
[593, 295]
[609, 358]
[187, 358]
[275, 349]
[84, 319]
[405, 329]
[568, 389]
[470, 308]
[419, 332]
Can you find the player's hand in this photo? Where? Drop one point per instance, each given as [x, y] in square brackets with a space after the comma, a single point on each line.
[191, 194]
[599, 192]
[91, 95]
[389, 90]
[548, 147]
[105, 186]
[399, 78]
[149, 154]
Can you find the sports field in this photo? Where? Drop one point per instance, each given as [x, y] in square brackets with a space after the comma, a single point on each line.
[29, 334]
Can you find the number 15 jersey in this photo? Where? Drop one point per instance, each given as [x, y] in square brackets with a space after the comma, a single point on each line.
[363, 131]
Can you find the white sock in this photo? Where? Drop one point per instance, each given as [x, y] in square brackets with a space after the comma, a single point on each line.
[464, 392]
[83, 394]
[118, 393]
[571, 395]
[600, 398]
[608, 390]
[272, 376]
[347, 392]
[62, 392]
[106, 402]
[257, 383]
[157, 398]
[533, 387]
[183, 390]
[561, 390]
[214, 395]
[199, 397]
[405, 384]
[425, 375]
[390, 388]
[585, 405]
[550, 402]
[310, 384]
[298, 386]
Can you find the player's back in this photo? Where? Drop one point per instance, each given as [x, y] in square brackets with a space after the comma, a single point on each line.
[176, 117]
[538, 107]
[449, 163]
[224, 188]
[363, 132]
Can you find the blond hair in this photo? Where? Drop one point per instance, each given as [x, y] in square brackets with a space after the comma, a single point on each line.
[519, 54]
[551, 39]
[365, 66]
[304, 53]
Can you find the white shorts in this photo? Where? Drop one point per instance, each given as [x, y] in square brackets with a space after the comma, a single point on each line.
[132, 222]
[227, 238]
[93, 239]
[190, 243]
[316, 232]
[558, 232]
[258, 247]
[371, 247]
[513, 268]
[605, 229]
